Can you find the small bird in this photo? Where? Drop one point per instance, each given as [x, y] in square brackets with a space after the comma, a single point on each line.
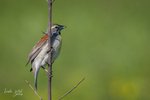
[38, 57]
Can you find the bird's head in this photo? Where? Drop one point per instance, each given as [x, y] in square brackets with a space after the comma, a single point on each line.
[56, 28]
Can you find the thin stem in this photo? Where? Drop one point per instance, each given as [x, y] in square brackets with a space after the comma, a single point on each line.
[49, 43]
[68, 92]
[36, 93]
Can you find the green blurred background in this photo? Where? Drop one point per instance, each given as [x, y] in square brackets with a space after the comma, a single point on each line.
[107, 41]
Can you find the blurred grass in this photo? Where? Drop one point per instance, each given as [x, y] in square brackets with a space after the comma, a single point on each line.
[107, 41]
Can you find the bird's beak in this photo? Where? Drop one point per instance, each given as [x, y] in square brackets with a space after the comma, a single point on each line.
[62, 26]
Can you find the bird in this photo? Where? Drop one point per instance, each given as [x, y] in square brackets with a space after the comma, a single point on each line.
[38, 57]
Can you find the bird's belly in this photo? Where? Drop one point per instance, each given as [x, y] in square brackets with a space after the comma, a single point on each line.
[44, 61]
[56, 49]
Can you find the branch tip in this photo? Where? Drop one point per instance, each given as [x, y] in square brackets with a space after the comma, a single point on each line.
[68, 92]
[35, 92]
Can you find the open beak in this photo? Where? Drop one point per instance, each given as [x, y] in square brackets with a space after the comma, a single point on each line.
[62, 26]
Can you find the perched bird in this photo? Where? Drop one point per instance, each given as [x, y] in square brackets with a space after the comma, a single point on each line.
[38, 57]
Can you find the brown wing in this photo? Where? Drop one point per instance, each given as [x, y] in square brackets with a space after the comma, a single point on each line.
[37, 48]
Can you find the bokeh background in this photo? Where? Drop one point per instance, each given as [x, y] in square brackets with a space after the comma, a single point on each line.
[107, 41]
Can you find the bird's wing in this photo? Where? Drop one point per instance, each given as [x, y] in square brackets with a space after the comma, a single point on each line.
[37, 48]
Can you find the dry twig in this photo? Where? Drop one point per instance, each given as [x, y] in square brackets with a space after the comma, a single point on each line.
[68, 92]
[50, 46]
[36, 93]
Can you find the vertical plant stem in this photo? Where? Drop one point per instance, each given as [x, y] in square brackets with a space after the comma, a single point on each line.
[50, 45]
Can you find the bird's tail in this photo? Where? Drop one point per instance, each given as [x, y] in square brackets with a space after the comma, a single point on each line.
[35, 78]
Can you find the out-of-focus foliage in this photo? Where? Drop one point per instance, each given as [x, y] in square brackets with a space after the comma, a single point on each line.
[107, 41]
